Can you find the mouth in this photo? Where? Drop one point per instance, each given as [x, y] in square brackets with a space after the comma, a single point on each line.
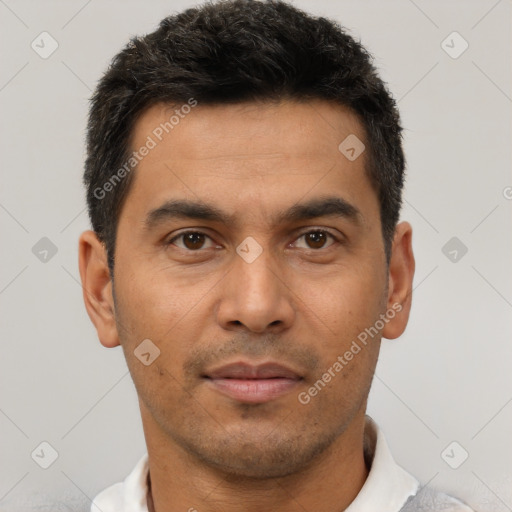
[253, 384]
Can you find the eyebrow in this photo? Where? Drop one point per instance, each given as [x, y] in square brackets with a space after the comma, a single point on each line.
[331, 206]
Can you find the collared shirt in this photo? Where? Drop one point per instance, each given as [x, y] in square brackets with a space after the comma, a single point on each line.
[388, 486]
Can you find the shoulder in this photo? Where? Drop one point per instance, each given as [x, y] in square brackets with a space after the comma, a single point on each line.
[132, 490]
[37, 501]
[108, 500]
[430, 500]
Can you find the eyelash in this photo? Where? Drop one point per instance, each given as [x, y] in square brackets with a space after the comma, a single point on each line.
[323, 231]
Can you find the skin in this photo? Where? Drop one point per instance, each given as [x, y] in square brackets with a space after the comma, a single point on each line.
[301, 303]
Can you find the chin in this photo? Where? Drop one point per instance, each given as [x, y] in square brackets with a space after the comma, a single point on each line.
[274, 455]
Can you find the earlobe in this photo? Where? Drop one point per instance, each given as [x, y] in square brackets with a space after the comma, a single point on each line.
[401, 274]
[97, 288]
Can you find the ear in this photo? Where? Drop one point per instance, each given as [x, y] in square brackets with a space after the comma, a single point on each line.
[97, 287]
[401, 274]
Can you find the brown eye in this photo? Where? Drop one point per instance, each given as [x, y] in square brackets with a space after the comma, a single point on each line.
[316, 239]
[191, 241]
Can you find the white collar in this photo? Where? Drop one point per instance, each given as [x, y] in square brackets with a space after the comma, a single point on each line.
[387, 483]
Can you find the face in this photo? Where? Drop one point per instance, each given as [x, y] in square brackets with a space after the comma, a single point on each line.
[249, 251]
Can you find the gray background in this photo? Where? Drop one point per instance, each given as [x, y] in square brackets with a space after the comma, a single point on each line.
[446, 379]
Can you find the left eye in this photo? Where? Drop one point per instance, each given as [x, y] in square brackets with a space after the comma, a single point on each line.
[191, 240]
[316, 239]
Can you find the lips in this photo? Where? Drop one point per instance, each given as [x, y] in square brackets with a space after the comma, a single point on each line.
[240, 370]
[247, 383]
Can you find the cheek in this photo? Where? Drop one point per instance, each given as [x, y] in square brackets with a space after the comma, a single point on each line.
[343, 303]
[153, 309]
[338, 310]
[158, 303]
[167, 309]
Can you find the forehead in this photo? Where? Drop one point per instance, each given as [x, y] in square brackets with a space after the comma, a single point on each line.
[267, 154]
[217, 131]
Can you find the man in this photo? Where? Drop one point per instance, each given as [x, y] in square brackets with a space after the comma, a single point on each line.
[244, 178]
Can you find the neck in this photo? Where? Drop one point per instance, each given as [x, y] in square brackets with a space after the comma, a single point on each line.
[330, 482]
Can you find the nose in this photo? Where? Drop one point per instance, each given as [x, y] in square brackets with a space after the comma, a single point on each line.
[255, 297]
